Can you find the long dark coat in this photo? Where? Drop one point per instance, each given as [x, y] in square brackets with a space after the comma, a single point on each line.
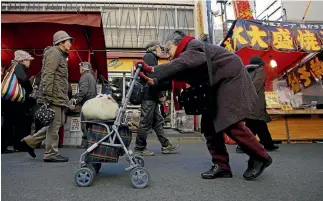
[258, 77]
[234, 95]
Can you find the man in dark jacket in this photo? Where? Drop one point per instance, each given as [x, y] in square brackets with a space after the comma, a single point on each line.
[259, 119]
[87, 90]
[87, 84]
[53, 91]
[151, 117]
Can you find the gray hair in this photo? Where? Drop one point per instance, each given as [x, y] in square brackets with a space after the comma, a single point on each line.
[175, 37]
[152, 46]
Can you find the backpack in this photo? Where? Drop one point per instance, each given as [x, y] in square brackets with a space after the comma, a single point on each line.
[137, 92]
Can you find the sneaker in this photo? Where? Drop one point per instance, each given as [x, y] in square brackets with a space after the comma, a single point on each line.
[144, 152]
[57, 159]
[169, 149]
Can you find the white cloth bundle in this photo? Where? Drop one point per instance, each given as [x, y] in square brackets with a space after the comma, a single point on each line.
[102, 107]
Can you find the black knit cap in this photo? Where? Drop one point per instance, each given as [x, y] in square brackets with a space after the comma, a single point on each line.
[257, 60]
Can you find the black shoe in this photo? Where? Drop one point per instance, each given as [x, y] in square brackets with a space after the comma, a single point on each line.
[28, 149]
[256, 167]
[7, 151]
[272, 148]
[239, 150]
[216, 172]
[57, 159]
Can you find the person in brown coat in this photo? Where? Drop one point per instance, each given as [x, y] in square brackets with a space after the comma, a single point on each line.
[257, 122]
[233, 96]
[54, 92]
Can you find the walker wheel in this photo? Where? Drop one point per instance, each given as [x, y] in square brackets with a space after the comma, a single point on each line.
[139, 177]
[92, 168]
[140, 161]
[84, 177]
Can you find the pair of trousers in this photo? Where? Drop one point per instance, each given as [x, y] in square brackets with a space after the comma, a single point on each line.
[150, 118]
[51, 136]
[260, 128]
[239, 133]
[16, 124]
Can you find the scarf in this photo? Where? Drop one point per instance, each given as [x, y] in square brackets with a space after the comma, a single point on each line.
[182, 45]
[178, 85]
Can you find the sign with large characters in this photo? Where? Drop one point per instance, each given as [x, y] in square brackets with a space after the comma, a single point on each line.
[280, 36]
[306, 74]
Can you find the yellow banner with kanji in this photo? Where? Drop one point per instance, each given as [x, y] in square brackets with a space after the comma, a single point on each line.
[280, 36]
[306, 74]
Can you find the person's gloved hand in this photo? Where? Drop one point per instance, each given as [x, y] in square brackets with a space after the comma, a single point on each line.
[145, 67]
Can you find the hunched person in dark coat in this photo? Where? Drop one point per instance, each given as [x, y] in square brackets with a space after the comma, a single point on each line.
[150, 117]
[233, 95]
[257, 122]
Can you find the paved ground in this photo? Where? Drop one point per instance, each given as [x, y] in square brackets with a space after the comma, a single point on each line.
[296, 175]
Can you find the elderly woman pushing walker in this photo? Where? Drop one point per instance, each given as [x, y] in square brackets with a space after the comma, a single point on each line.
[232, 97]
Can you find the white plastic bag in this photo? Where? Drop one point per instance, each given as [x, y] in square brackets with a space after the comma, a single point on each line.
[102, 107]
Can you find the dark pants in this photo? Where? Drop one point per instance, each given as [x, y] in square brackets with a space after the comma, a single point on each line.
[260, 128]
[239, 133]
[16, 124]
[150, 118]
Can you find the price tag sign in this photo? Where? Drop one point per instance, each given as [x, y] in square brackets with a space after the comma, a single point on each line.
[99, 88]
[75, 89]
[75, 124]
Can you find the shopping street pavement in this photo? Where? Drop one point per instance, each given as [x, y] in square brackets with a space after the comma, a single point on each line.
[295, 175]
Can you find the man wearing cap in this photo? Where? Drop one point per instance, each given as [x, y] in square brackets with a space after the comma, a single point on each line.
[87, 84]
[54, 92]
[150, 117]
[16, 120]
[257, 122]
[87, 90]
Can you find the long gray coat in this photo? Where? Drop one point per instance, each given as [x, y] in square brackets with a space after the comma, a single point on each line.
[234, 95]
[258, 77]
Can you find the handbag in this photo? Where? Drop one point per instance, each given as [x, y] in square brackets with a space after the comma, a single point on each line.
[11, 89]
[137, 93]
[44, 115]
[102, 107]
[196, 100]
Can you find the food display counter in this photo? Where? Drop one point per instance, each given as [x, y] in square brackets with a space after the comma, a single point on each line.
[296, 125]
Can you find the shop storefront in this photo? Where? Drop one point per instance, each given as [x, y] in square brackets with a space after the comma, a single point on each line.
[294, 71]
[88, 45]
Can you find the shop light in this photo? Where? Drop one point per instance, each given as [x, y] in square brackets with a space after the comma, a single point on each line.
[273, 63]
[67, 59]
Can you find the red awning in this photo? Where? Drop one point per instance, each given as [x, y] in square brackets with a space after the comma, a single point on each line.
[33, 32]
[285, 60]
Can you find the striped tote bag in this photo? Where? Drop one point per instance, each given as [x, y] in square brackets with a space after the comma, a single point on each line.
[11, 89]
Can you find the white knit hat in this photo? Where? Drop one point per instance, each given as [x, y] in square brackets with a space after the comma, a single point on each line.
[21, 55]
